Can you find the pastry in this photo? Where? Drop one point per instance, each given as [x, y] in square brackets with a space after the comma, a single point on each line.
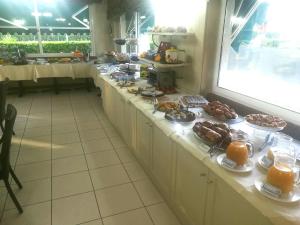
[266, 120]
[165, 106]
[192, 101]
[220, 110]
[212, 132]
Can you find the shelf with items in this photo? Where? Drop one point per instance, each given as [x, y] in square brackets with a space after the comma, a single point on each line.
[174, 34]
[164, 65]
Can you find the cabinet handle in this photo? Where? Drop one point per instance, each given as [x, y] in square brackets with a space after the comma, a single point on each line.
[210, 181]
[202, 174]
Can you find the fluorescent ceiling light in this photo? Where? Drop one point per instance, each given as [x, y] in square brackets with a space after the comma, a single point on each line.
[47, 14]
[60, 19]
[36, 14]
[19, 22]
[142, 17]
[12, 23]
[74, 16]
[48, 1]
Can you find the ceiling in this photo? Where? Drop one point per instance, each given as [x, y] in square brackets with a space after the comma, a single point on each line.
[118, 7]
[12, 10]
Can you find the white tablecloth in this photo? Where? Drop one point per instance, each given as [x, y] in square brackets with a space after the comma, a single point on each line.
[34, 72]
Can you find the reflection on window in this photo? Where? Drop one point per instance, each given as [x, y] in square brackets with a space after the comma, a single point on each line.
[261, 51]
[63, 25]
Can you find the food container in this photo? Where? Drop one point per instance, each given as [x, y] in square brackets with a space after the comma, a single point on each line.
[175, 56]
[172, 56]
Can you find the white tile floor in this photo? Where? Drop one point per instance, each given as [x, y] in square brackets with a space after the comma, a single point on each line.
[75, 168]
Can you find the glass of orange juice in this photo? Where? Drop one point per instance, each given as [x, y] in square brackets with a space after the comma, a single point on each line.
[239, 151]
[284, 174]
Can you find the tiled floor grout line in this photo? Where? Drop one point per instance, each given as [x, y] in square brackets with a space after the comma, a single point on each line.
[79, 171]
[15, 164]
[51, 165]
[94, 192]
[126, 211]
[93, 107]
[132, 182]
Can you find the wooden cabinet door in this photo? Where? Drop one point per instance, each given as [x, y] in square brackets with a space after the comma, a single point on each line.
[226, 206]
[190, 187]
[107, 97]
[162, 161]
[119, 114]
[144, 140]
[130, 125]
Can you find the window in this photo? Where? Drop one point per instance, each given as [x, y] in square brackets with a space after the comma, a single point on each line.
[63, 25]
[260, 55]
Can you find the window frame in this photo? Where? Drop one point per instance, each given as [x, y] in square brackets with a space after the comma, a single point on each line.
[260, 105]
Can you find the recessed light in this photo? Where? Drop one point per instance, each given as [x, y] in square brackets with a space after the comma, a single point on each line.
[47, 14]
[19, 22]
[36, 14]
[60, 19]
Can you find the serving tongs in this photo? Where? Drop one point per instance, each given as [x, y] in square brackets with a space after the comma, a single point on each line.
[154, 102]
[268, 142]
[215, 148]
[139, 91]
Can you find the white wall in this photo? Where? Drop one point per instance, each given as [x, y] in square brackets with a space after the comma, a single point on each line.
[100, 28]
[190, 77]
[194, 47]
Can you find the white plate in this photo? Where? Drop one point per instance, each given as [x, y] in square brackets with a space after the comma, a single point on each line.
[260, 162]
[239, 119]
[239, 169]
[270, 129]
[286, 198]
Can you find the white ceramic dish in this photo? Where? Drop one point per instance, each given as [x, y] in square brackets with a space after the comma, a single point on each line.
[261, 163]
[285, 198]
[239, 169]
[239, 119]
[270, 129]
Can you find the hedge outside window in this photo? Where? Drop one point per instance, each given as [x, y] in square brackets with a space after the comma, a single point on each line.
[60, 30]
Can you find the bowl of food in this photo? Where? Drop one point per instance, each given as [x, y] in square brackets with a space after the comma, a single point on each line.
[178, 115]
[120, 41]
[167, 105]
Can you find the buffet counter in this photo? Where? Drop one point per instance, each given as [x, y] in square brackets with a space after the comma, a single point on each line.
[191, 181]
[54, 70]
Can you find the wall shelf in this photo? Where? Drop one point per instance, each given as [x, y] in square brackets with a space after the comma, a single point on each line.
[172, 34]
[164, 65]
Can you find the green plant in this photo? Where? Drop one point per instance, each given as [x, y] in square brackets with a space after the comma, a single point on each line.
[8, 38]
[48, 46]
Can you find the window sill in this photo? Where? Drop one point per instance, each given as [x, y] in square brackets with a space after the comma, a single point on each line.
[245, 105]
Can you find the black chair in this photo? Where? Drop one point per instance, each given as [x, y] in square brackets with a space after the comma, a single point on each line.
[5, 167]
[3, 93]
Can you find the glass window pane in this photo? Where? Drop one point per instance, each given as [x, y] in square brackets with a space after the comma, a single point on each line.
[60, 32]
[261, 54]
